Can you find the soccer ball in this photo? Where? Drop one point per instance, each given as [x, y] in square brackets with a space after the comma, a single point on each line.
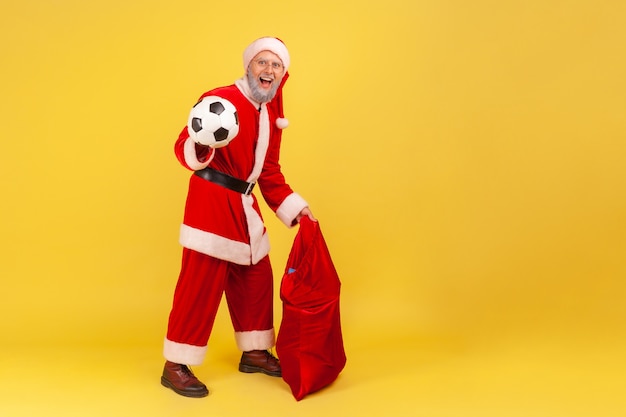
[213, 122]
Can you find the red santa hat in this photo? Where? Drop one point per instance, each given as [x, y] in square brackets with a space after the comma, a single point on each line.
[267, 43]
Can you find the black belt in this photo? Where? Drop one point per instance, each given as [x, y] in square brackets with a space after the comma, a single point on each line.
[226, 180]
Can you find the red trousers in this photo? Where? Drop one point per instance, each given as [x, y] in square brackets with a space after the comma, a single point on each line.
[202, 282]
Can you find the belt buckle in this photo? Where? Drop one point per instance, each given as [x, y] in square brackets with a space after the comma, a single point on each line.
[249, 188]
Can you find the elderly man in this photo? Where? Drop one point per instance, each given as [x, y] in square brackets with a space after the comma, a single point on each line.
[225, 244]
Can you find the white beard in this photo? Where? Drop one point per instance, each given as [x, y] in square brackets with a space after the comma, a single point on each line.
[259, 94]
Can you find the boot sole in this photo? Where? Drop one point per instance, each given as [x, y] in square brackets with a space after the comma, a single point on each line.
[249, 369]
[192, 394]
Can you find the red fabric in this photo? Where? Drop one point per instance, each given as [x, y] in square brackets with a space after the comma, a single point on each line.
[310, 343]
[237, 159]
[202, 281]
[217, 210]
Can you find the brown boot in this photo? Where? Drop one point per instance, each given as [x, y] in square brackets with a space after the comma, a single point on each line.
[260, 361]
[180, 378]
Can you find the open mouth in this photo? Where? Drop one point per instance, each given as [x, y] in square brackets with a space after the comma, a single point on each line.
[265, 82]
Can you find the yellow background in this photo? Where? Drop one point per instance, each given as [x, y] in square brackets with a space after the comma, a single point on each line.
[465, 160]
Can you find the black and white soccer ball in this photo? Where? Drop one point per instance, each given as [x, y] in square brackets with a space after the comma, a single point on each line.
[213, 121]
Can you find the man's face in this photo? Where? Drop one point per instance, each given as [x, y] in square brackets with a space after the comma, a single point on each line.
[265, 73]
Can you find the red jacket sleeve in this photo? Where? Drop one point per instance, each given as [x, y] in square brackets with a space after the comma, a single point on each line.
[191, 155]
[272, 181]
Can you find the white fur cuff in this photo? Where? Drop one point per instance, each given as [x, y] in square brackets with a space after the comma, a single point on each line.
[255, 340]
[192, 159]
[183, 353]
[290, 208]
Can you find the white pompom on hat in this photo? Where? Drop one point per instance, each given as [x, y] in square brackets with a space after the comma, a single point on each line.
[266, 44]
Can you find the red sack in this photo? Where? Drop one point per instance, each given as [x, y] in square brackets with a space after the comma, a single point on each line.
[309, 343]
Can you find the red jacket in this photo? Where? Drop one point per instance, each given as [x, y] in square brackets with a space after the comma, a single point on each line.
[223, 223]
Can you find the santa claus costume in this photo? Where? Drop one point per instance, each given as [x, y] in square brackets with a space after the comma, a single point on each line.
[225, 243]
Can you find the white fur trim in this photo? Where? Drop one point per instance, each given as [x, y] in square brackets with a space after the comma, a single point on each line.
[262, 144]
[290, 208]
[259, 241]
[191, 158]
[255, 340]
[263, 139]
[215, 245]
[244, 87]
[282, 123]
[266, 44]
[183, 353]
